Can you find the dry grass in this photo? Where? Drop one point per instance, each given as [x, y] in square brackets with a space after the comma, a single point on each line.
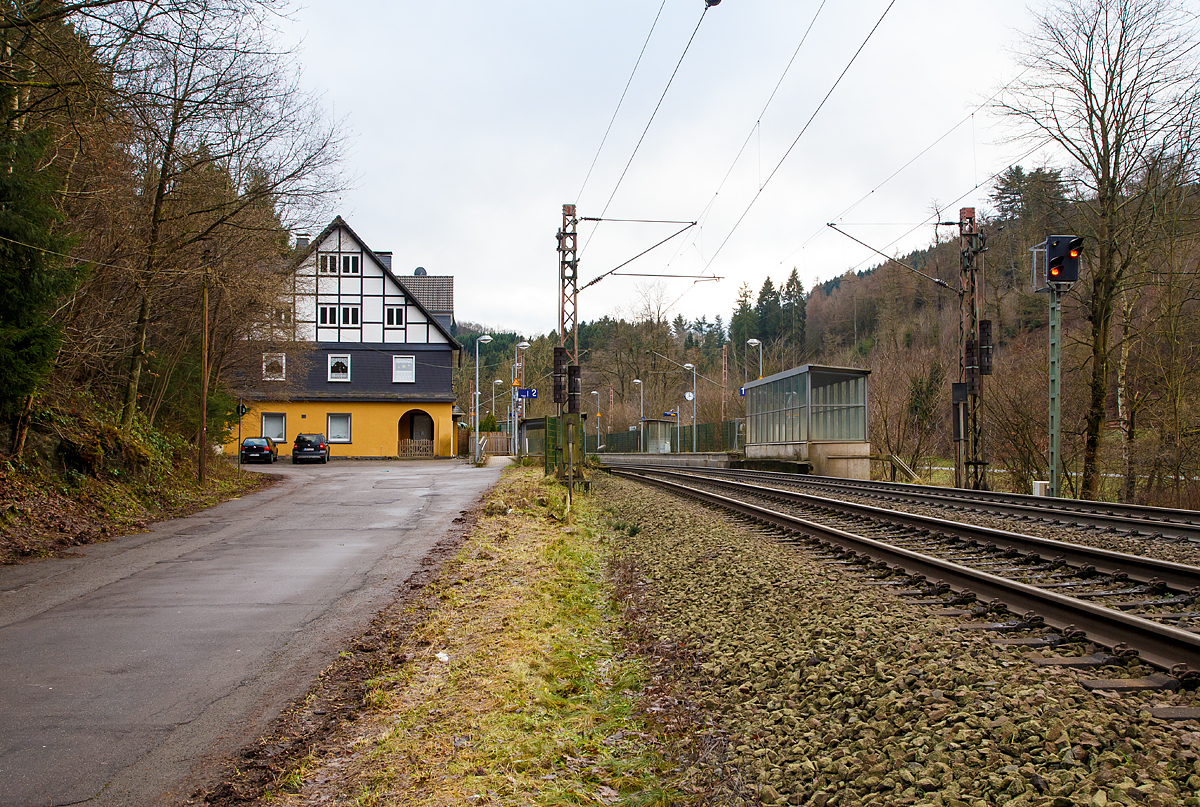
[514, 691]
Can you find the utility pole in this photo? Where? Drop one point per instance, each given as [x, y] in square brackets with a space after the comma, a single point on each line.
[202, 440]
[568, 274]
[568, 314]
[975, 355]
[724, 387]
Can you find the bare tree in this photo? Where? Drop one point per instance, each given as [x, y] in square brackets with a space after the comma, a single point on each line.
[207, 93]
[1114, 85]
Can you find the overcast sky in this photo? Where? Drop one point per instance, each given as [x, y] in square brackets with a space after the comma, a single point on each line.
[471, 123]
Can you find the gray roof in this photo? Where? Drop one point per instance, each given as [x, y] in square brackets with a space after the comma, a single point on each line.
[435, 293]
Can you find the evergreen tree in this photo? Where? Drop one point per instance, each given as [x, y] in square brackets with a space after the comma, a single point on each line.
[743, 325]
[770, 312]
[31, 273]
[794, 311]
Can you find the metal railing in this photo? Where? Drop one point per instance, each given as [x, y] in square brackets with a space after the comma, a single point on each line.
[710, 437]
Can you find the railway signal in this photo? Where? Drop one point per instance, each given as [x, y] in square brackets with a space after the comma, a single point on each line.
[1062, 258]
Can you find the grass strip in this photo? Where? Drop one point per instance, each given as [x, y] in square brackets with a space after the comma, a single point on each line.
[514, 690]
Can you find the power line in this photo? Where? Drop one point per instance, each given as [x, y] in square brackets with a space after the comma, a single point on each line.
[758, 122]
[933, 219]
[969, 117]
[816, 111]
[653, 114]
[618, 109]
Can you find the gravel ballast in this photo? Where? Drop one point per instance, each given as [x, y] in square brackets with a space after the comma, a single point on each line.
[814, 687]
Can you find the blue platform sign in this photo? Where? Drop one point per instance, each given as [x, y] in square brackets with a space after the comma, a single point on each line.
[742, 391]
[526, 393]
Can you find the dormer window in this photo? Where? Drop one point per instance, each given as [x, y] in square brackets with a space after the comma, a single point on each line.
[339, 367]
[274, 367]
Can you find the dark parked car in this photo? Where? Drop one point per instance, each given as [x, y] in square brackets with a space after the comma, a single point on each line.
[259, 449]
[310, 447]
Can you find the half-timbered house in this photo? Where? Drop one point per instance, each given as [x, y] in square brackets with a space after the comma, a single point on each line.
[377, 379]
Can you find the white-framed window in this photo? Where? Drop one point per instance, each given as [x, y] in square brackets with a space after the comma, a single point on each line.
[338, 428]
[274, 367]
[327, 264]
[393, 316]
[347, 316]
[339, 366]
[274, 425]
[404, 369]
[350, 264]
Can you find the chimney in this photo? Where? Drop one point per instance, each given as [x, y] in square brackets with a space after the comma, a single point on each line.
[385, 258]
[301, 242]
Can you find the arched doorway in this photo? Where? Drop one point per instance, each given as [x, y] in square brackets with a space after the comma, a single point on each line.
[415, 434]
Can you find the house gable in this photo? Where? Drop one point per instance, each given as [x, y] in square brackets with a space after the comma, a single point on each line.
[345, 294]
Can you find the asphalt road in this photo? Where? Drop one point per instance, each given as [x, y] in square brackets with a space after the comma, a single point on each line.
[129, 673]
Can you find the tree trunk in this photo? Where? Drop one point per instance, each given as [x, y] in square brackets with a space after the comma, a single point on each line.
[129, 407]
[1105, 279]
[22, 428]
[1125, 404]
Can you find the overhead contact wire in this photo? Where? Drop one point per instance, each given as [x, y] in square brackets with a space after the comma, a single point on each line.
[622, 101]
[902, 168]
[758, 123]
[651, 121]
[811, 118]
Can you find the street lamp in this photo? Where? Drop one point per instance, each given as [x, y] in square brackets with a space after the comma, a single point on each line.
[484, 339]
[757, 343]
[495, 384]
[641, 414]
[692, 367]
[515, 400]
[597, 394]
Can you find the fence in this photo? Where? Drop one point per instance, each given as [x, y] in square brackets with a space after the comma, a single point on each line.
[414, 448]
[725, 436]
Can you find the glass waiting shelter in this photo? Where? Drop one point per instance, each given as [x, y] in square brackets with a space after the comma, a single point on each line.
[806, 405]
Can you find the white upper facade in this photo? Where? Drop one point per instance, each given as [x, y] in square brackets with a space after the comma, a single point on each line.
[343, 293]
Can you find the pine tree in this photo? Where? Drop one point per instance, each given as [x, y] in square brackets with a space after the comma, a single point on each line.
[31, 271]
[794, 311]
[770, 312]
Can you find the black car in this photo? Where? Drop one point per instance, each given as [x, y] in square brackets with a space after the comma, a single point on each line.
[259, 449]
[310, 447]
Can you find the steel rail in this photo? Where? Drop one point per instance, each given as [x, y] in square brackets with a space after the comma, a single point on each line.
[1162, 646]
[1177, 576]
[1137, 518]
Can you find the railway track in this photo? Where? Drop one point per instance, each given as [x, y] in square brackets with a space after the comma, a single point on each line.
[1139, 519]
[1122, 602]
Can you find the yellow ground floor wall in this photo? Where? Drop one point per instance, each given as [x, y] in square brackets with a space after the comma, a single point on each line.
[374, 426]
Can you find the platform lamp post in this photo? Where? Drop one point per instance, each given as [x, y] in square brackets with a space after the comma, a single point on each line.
[597, 394]
[692, 367]
[518, 376]
[484, 339]
[495, 384]
[758, 344]
[641, 414]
